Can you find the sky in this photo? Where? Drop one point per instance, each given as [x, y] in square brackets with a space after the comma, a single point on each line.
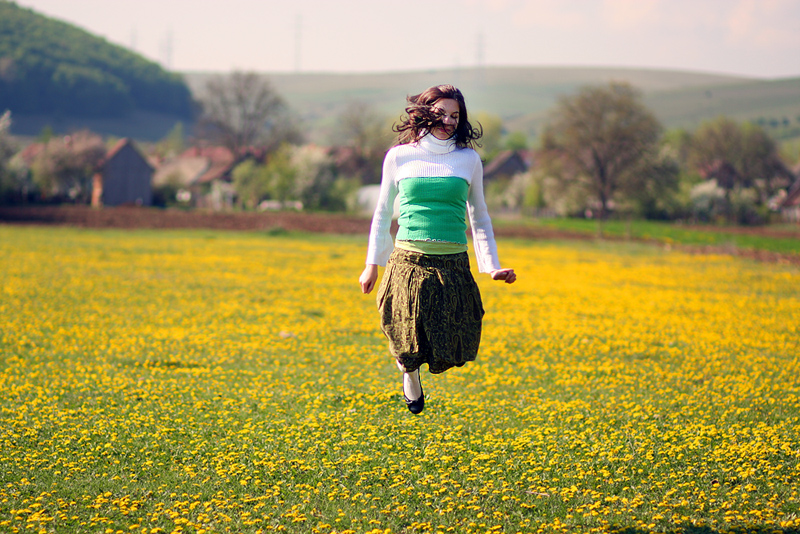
[754, 38]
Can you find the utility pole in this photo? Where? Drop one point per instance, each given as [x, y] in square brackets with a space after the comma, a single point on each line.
[167, 50]
[480, 46]
[298, 41]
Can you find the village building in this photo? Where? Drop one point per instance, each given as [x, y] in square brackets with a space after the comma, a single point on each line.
[124, 177]
[180, 173]
[507, 164]
[790, 207]
[204, 175]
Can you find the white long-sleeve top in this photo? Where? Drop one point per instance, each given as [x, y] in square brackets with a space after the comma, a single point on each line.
[432, 157]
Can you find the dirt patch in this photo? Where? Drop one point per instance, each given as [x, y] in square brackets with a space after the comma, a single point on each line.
[758, 255]
[133, 217]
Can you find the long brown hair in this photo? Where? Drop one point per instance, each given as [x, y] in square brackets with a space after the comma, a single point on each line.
[421, 117]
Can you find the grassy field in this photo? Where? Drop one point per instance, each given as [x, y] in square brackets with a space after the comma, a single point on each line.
[767, 100]
[199, 381]
[782, 238]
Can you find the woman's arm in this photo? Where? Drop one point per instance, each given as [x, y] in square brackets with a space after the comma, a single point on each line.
[380, 239]
[482, 231]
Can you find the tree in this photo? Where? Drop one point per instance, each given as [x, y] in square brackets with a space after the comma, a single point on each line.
[173, 143]
[293, 173]
[516, 141]
[281, 174]
[6, 149]
[367, 136]
[7, 187]
[491, 140]
[681, 202]
[250, 183]
[602, 141]
[66, 165]
[243, 110]
[738, 156]
[315, 179]
[48, 67]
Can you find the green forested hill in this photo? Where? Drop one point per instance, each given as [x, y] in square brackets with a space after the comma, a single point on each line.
[49, 67]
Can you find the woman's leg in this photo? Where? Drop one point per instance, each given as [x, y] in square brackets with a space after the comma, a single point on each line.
[412, 385]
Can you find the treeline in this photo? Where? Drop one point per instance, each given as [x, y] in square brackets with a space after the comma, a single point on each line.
[602, 154]
[51, 67]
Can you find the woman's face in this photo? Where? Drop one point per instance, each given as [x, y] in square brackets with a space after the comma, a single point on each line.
[450, 115]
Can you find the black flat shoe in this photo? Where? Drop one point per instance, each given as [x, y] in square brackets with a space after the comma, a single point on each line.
[416, 406]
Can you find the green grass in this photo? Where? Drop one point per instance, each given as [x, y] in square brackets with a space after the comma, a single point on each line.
[781, 238]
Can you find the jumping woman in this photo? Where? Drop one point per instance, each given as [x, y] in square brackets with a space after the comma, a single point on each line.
[429, 303]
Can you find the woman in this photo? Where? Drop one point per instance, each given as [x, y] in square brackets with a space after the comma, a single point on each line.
[430, 306]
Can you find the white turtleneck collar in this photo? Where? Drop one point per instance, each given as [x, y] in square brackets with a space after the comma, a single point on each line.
[431, 143]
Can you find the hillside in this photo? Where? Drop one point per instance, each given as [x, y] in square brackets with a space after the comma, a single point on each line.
[55, 74]
[52, 69]
[769, 103]
[774, 104]
[523, 96]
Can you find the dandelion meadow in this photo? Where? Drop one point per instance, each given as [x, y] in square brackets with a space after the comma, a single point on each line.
[199, 381]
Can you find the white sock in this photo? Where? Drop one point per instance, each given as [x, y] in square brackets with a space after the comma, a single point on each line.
[412, 388]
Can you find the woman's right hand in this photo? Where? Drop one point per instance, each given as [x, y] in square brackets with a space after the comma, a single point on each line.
[508, 275]
[368, 278]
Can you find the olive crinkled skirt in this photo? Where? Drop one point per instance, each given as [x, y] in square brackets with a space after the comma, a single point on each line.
[430, 309]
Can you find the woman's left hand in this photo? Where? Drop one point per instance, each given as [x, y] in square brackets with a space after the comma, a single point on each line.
[508, 275]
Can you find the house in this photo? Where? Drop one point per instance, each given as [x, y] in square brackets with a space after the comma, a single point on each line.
[723, 172]
[777, 177]
[790, 207]
[507, 164]
[181, 171]
[351, 162]
[213, 188]
[205, 174]
[124, 177]
[179, 174]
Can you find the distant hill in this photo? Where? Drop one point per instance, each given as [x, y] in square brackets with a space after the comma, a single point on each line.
[763, 101]
[523, 96]
[52, 70]
[54, 74]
